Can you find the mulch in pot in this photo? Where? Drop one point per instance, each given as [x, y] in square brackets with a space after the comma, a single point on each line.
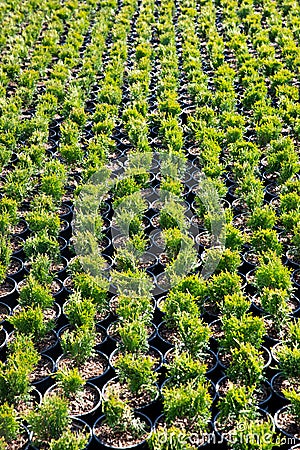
[225, 357]
[6, 288]
[280, 383]
[15, 267]
[20, 442]
[44, 369]
[16, 243]
[153, 352]
[273, 335]
[23, 406]
[47, 342]
[186, 424]
[136, 400]
[260, 394]
[226, 428]
[170, 335]
[81, 403]
[296, 278]
[111, 438]
[21, 228]
[209, 358]
[93, 367]
[113, 333]
[287, 422]
[5, 311]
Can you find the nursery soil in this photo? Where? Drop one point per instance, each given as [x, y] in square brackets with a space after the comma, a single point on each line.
[289, 423]
[5, 288]
[18, 443]
[95, 366]
[117, 439]
[14, 267]
[81, 403]
[135, 400]
[42, 370]
[3, 315]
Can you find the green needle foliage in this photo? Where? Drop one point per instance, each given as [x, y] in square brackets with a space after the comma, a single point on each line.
[49, 420]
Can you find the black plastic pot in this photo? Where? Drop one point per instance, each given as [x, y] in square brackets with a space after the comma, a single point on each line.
[63, 246]
[141, 445]
[250, 276]
[212, 388]
[280, 398]
[240, 222]
[230, 180]
[66, 212]
[220, 438]
[89, 414]
[53, 349]
[16, 269]
[58, 295]
[161, 283]
[239, 207]
[269, 178]
[296, 279]
[3, 343]
[267, 360]
[211, 312]
[24, 229]
[9, 297]
[165, 344]
[98, 380]
[144, 408]
[269, 341]
[196, 226]
[156, 351]
[66, 229]
[262, 404]
[274, 350]
[106, 246]
[291, 262]
[24, 431]
[5, 312]
[271, 191]
[231, 194]
[44, 383]
[157, 242]
[18, 251]
[68, 285]
[62, 273]
[203, 241]
[289, 437]
[249, 262]
[199, 441]
[210, 370]
[214, 340]
[80, 425]
[101, 331]
[149, 262]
